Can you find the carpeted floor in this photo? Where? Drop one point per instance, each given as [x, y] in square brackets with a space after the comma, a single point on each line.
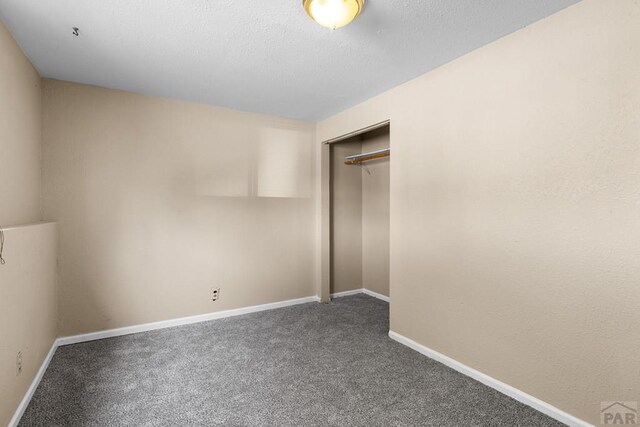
[307, 365]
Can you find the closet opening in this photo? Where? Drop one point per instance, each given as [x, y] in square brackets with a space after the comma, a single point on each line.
[359, 213]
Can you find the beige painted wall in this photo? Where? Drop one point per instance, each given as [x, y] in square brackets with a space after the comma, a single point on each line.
[20, 132]
[375, 215]
[346, 218]
[159, 201]
[27, 309]
[28, 319]
[515, 239]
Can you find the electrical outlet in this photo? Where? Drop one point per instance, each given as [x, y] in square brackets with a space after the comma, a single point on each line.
[19, 363]
[215, 294]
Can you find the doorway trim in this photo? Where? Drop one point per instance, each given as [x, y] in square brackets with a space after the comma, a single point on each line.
[325, 205]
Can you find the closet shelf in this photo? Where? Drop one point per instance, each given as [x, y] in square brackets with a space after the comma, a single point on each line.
[364, 157]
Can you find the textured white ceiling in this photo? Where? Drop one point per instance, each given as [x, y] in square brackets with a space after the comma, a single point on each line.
[263, 56]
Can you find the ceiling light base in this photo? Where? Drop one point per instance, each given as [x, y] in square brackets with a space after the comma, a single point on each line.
[333, 14]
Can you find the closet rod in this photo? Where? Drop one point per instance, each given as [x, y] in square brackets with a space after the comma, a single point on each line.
[359, 158]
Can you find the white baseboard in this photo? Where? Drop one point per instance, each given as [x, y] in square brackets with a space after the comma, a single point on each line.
[32, 388]
[360, 291]
[503, 388]
[510, 391]
[182, 321]
[142, 328]
[375, 295]
[346, 293]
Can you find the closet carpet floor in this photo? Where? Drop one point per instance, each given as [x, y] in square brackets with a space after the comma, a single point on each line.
[306, 365]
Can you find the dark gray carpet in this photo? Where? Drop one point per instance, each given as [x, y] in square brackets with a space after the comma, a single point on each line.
[308, 365]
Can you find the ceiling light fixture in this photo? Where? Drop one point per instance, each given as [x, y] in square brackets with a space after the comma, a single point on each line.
[333, 13]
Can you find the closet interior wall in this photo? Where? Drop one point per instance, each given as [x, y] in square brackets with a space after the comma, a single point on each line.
[375, 215]
[360, 216]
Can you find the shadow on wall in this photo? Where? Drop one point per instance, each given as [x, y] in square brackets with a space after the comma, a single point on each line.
[275, 164]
